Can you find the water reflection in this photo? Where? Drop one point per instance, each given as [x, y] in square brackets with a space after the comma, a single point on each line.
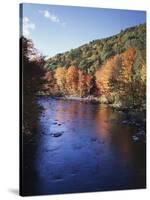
[95, 151]
[102, 122]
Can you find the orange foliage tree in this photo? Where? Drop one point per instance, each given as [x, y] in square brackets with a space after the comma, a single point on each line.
[104, 74]
[116, 76]
[72, 80]
[85, 83]
[60, 76]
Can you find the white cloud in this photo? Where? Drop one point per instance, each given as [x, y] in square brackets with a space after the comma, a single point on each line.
[27, 26]
[52, 17]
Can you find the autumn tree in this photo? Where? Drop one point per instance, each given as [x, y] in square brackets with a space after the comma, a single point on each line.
[143, 85]
[85, 84]
[125, 79]
[32, 66]
[139, 85]
[60, 76]
[72, 80]
[89, 84]
[115, 78]
[50, 86]
[82, 84]
[104, 75]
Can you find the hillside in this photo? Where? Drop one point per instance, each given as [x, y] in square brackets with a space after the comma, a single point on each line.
[89, 57]
[112, 69]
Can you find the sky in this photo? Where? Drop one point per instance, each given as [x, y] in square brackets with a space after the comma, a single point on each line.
[56, 29]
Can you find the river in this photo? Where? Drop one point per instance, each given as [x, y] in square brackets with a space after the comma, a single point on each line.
[82, 147]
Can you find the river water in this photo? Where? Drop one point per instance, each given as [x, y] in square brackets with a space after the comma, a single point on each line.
[82, 147]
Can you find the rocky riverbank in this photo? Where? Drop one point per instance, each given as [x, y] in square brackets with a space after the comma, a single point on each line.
[91, 99]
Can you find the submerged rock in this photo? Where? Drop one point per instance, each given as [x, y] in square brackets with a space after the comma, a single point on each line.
[55, 123]
[57, 134]
[57, 178]
[94, 139]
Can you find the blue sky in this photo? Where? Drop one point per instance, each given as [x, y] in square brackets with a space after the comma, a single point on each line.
[56, 29]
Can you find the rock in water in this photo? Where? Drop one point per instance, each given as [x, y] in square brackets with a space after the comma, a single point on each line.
[58, 134]
[94, 139]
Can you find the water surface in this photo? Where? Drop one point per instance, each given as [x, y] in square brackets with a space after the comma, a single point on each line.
[82, 147]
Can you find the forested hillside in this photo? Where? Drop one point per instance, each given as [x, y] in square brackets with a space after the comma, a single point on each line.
[113, 70]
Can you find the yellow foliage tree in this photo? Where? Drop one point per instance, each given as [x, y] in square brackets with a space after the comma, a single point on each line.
[60, 76]
[116, 76]
[72, 80]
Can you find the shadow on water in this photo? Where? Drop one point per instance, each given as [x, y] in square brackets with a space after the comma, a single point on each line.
[82, 147]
